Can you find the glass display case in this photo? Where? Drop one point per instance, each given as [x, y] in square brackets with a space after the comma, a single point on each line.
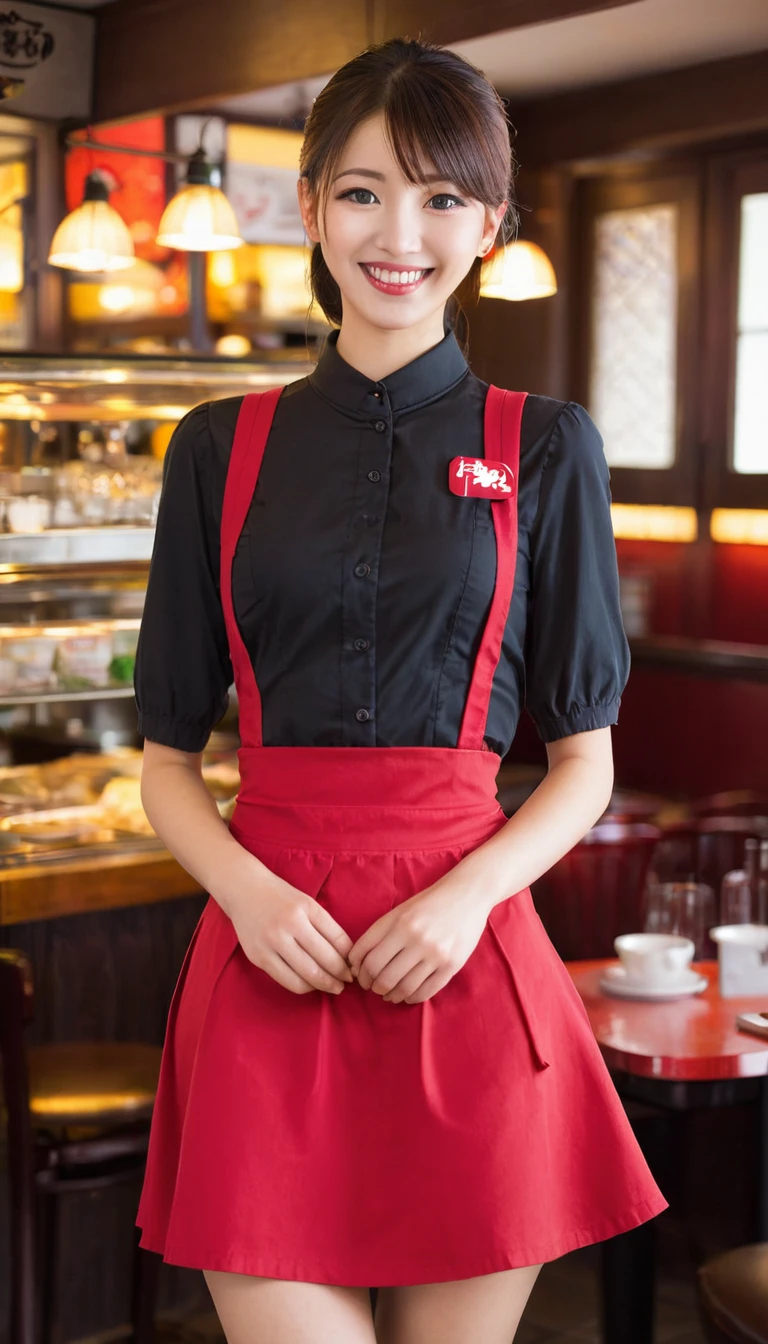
[81, 450]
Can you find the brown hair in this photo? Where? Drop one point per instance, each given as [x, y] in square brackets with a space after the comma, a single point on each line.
[438, 109]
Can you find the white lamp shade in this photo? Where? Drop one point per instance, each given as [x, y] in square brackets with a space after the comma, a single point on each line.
[92, 238]
[199, 218]
[518, 271]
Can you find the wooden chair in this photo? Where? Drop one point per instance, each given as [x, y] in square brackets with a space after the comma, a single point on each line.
[77, 1117]
[595, 892]
[732, 1291]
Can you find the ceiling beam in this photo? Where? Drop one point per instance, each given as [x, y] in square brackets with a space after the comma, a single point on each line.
[170, 55]
[449, 21]
[654, 112]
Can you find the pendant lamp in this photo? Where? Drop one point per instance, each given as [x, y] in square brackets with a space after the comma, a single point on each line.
[93, 237]
[518, 271]
[199, 218]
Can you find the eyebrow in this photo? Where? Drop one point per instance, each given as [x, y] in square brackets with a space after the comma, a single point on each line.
[380, 177]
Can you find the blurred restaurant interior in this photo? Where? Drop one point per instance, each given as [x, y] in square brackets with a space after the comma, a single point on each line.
[151, 257]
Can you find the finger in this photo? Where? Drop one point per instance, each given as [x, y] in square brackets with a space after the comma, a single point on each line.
[380, 956]
[368, 940]
[409, 983]
[395, 971]
[434, 982]
[285, 975]
[323, 952]
[320, 918]
[305, 966]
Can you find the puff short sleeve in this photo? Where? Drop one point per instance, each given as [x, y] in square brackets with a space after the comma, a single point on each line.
[577, 657]
[183, 668]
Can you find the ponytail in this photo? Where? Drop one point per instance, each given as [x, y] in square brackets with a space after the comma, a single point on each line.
[325, 291]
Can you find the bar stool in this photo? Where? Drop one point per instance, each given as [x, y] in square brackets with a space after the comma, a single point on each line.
[77, 1117]
[732, 1292]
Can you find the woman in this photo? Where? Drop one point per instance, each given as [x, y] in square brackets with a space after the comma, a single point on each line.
[377, 1072]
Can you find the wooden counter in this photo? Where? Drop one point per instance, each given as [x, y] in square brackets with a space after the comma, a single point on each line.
[75, 886]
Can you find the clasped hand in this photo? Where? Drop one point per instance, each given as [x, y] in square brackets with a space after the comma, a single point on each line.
[413, 950]
[406, 956]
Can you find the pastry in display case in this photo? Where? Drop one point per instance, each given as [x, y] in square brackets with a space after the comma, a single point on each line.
[82, 442]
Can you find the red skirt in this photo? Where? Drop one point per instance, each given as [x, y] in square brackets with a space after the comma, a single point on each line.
[341, 1139]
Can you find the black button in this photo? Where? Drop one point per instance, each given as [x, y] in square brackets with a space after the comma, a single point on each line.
[379, 426]
[374, 475]
[362, 715]
[362, 571]
[362, 645]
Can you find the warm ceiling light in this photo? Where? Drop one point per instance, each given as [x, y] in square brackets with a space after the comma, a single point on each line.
[199, 217]
[233, 345]
[11, 259]
[222, 270]
[93, 237]
[654, 522]
[739, 527]
[518, 271]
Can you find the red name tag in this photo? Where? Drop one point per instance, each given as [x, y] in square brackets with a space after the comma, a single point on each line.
[480, 477]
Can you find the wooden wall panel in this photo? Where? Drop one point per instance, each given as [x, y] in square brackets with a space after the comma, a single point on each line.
[524, 345]
[679, 107]
[690, 736]
[106, 975]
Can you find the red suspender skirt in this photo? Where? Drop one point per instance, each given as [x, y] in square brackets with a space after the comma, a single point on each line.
[341, 1139]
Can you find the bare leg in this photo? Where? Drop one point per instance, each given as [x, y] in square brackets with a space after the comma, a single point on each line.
[262, 1311]
[462, 1311]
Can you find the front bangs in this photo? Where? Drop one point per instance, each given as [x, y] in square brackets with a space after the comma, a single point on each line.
[430, 132]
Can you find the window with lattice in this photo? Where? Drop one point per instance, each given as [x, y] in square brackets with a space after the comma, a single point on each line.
[633, 374]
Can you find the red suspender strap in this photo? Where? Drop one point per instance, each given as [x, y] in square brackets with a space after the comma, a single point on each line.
[253, 426]
[503, 418]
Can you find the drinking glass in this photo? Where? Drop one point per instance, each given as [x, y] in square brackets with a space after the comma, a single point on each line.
[736, 898]
[685, 908]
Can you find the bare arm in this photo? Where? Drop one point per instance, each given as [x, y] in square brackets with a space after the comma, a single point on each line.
[414, 949]
[284, 931]
[569, 800]
[185, 816]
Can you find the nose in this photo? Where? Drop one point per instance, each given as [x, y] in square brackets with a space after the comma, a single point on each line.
[399, 230]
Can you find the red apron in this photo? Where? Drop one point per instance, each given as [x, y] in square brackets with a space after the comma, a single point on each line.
[341, 1139]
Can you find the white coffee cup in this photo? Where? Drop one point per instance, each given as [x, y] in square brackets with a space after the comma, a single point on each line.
[654, 958]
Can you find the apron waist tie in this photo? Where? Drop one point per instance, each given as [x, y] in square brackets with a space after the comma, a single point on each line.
[366, 798]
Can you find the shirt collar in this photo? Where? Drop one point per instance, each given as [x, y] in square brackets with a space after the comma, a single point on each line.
[424, 379]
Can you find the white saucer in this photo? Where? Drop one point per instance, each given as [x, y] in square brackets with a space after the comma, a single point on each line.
[615, 980]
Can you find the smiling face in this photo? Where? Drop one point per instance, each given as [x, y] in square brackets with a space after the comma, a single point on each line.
[396, 249]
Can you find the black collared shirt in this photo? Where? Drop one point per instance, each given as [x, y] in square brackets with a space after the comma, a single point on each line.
[361, 584]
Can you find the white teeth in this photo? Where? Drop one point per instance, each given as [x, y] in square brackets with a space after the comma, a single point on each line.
[394, 277]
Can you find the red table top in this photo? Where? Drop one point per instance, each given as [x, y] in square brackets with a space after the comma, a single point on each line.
[693, 1038]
